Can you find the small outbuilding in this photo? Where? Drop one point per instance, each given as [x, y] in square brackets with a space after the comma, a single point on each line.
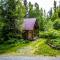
[30, 28]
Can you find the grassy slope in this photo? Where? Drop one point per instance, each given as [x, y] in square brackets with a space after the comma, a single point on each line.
[12, 46]
[41, 48]
[38, 47]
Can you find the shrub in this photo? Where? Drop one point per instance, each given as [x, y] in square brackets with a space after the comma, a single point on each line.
[50, 34]
[48, 25]
[57, 24]
[54, 43]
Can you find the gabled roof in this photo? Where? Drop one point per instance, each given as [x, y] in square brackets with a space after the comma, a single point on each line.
[29, 23]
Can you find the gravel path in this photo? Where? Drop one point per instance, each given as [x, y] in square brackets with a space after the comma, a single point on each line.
[28, 58]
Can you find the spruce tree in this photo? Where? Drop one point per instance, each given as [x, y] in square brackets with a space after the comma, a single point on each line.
[9, 8]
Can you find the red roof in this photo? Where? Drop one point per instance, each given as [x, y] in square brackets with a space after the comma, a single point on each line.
[29, 23]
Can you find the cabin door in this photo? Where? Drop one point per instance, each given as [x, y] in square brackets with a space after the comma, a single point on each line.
[30, 35]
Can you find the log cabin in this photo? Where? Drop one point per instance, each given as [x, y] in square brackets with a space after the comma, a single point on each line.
[30, 29]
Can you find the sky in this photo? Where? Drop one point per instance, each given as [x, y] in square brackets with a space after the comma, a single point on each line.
[45, 4]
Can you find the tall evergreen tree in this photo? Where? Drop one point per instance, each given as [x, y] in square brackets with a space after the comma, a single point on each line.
[26, 7]
[55, 5]
[50, 13]
[9, 8]
[20, 13]
[59, 3]
[31, 13]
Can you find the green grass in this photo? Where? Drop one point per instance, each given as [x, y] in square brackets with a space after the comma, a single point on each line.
[12, 45]
[41, 48]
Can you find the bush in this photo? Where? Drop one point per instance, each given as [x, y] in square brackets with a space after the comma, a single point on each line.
[48, 25]
[54, 43]
[2, 24]
[57, 24]
[50, 34]
[41, 23]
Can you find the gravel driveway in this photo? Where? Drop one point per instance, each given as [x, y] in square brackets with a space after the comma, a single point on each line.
[28, 58]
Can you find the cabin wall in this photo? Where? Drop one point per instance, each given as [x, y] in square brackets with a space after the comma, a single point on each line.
[24, 34]
[36, 28]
